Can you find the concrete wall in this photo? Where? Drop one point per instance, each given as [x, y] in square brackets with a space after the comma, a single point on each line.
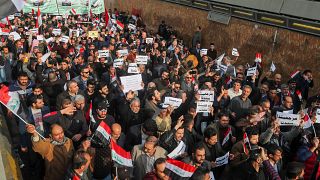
[293, 51]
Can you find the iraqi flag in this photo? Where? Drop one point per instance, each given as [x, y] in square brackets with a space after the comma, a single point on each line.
[294, 74]
[120, 156]
[120, 25]
[258, 59]
[9, 7]
[73, 11]
[9, 99]
[180, 168]
[104, 132]
[227, 135]
[228, 80]
[39, 19]
[107, 19]
[246, 141]
[306, 120]
[298, 92]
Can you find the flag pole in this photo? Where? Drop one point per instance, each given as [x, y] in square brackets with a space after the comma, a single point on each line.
[20, 118]
[314, 130]
[117, 173]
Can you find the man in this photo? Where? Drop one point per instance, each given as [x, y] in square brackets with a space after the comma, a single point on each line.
[212, 52]
[286, 106]
[295, 171]
[80, 164]
[6, 61]
[275, 82]
[162, 83]
[102, 115]
[196, 37]
[264, 116]
[187, 84]
[198, 158]
[201, 174]
[304, 82]
[104, 95]
[235, 90]
[116, 135]
[83, 78]
[57, 151]
[274, 153]
[153, 98]
[71, 92]
[240, 105]
[80, 102]
[159, 171]
[144, 156]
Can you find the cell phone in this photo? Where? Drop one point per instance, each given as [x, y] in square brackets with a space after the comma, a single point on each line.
[193, 72]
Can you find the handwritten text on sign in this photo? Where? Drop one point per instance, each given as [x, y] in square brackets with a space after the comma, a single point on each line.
[252, 71]
[222, 160]
[206, 95]
[132, 82]
[175, 102]
[286, 119]
[203, 106]
[141, 59]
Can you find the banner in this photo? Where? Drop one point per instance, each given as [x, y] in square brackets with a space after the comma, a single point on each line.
[63, 7]
[286, 119]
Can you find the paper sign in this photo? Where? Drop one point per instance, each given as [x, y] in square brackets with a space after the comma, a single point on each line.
[180, 149]
[223, 68]
[133, 68]
[318, 116]
[235, 52]
[132, 82]
[123, 52]
[272, 67]
[117, 63]
[149, 40]
[132, 27]
[288, 119]
[206, 95]
[64, 39]
[56, 32]
[34, 31]
[204, 51]
[288, 112]
[203, 106]
[141, 59]
[40, 37]
[71, 31]
[17, 14]
[15, 35]
[93, 34]
[252, 71]
[45, 56]
[175, 102]
[103, 53]
[219, 59]
[222, 160]
[49, 40]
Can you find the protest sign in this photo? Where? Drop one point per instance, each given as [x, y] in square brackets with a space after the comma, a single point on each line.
[123, 52]
[288, 112]
[219, 59]
[132, 82]
[203, 106]
[74, 31]
[34, 30]
[223, 67]
[204, 51]
[235, 52]
[222, 160]
[15, 35]
[206, 95]
[40, 37]
[103, 53]
[175, 102]
[132, 27]
[49, 40]
[93, 34]
[286, 119]
[64, 39]
[180, 149]
[56, 32]
[252, 71]
[118, 63]
[45, 57]
[149, 40]
[133, 68]
[141, 59]
[272, 67]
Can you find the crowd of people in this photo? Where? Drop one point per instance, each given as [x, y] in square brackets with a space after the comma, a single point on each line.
[66, 95]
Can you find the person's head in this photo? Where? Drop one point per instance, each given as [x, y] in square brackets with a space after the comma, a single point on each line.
[79, 101]
[285, 89]
[150, 145]
[115, 131]
[176, 87]
[201, 173]
[188, 78]
[57, 133]
[5, 50]
[159, 168]
[102, 109]
[255, 157]
[135, 105]
[210, 136]
[85, 72]
[288, 102]
[212, 46]
[264, 88]
[253, 135]
[178, 135]
[307, 74]
[36, 101]
[91, 85]
[165, 75]
[64, 65]
[265, 105]
[149, 127]
[246, 91]
[277, 78]
[274, 152]
[103, 88]
[223, 119]
[112, 70]
[81, 161]
[192, 111]
[23, 79]
[199, 154]
[272, 93]
[37, 89]
[72, 86]
[154, 95]
[237, 85]
[295, 171]
[240, 76]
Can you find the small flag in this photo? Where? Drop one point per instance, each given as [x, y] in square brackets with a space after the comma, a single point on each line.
[180, 168]
[120, 25]
[258, 58]
[298, 92]
[226, 138]
[10, 99]
[294, 74]
[228, 80]
[245, 141]
[272, 67]
[219, 59]
[39, 19]
[50, 114]
[307, 121]
[9, 7]
[73, 11]
[105, 131]
[32, 12]
[120, 156]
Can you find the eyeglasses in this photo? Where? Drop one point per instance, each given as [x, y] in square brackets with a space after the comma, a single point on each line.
[102, 110]
[86, 72]
[188, 77]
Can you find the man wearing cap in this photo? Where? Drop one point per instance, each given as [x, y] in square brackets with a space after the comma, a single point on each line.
[102, 115]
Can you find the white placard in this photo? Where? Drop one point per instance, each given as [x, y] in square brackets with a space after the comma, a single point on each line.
[56, 32]
[64, 39]
[288, 112]
[206, 95]
[123, 52]
[133, 68]
[49, 40]
[222, 160]
[204, 51]
[149, 40]
[235, 52]
[203, 106]
[74, 30]
[17, 14]
[118, 62]
[175, 102]
[286, 119]
[103, 53]
[34, 30]
[318, 116]
[252, 71]
[45, 56]
[141, 59]
[15, 35]
[40, 37]
[180, 149]
[132, 82]
[223, 67]
[132, 27]
[219, 59]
